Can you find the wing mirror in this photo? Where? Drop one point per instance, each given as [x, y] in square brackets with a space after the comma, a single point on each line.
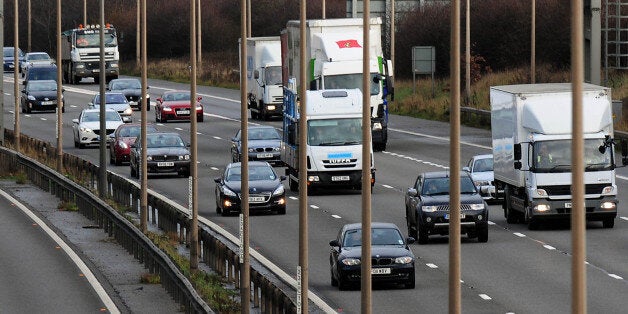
[334, 243]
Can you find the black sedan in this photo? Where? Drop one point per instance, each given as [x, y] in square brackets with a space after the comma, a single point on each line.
[264, 144]
[392, 261]
[40, 95]
[266, 192]
[132, 90]
[165, 153]
[427, 207]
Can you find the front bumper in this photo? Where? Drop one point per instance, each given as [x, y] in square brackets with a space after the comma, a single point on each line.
[274, 109]
[273, 158]
[177, 166]
[561, 209]
[438, 222]
[399, 273]
[337, 178]
[42, 105]
[274, 203]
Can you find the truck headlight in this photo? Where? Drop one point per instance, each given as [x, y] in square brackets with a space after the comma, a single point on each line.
[608, 189]
[271, 107]
[541, 192]
[429, 209]
[377, 126]
[313, 178]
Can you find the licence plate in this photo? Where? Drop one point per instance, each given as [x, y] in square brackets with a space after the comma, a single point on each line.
[568, 205]
[96, 70]
[265, 155]
[340, 178]
[380, 271]
[49, 102]
[256, 198]
[183, 112]
[461, 216]
[165, 164]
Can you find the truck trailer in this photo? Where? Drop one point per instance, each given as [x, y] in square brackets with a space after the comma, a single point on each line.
[263, 75]
[532, 137]
[334, 53]
[334, 141]
[80, 53]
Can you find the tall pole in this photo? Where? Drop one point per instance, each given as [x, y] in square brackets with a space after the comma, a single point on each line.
[193, 180]
[467, 53]
[59, 94]
[245, 266]
[102, 173]
[84, 13]
[248, 17]
[303, 268]
[199, 35]
[138, 43]
[2, 85]
[533, 44]
[392, 36]
[454, 161]
[30, 19]
[144, 106]
[323, 9]
[578, 223]
[366, 162]
[16, 64]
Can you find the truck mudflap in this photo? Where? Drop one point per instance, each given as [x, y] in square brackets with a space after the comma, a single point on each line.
[599, 209]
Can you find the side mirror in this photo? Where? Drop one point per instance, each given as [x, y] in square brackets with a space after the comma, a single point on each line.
[334, 243]
[410, 240]
[159, 99]
[24, 82]
[187, 145]
[75, 121]
[256, 74]
[412, 192]
[133, 145]
[126, 120]
[217, 179]
[466, 169]
[517, 151]
[282, 178]
[517, 165]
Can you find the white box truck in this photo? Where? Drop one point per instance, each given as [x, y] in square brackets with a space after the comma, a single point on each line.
[334, 144]
[80, 53]
[263, 75]
[531, 134]
[334, 52]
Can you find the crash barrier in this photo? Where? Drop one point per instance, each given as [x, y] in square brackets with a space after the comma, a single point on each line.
[269, 293]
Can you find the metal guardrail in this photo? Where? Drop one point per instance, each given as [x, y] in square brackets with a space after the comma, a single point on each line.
[269, 293]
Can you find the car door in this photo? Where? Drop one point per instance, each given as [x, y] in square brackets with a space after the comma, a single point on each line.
[413, 201]
[235, 147]
[135, 152]
[75, 126]
[335, 252]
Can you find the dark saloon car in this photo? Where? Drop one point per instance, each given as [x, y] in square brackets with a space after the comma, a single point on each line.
[392, 261]
[264, 144]
[40, 95]
[165, 153]
[9, 62]
[175, 105]
[122, 139]
[427, 207]
[132, 90]
[266, 192]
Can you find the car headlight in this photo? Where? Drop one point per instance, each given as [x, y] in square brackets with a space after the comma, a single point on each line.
[607, 189]
[166, 109]
[123, 145]
[251, 150]
[128, 111]
[149, 158]
[80, 66]
[377, 126]
[228, 192]
[276, 149]
[279, 190]
[185, 157]
[85, 130]
[403, 260]
[476, 206]
[30, 97]
[608, 205]
[147, 96]
[351, 261]
[429, 209]
[199, 108]
[482, 183]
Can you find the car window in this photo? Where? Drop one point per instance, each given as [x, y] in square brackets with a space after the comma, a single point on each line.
[386, 236]
[90, 116]
[258, 173]
[263, 134]
[483, 165]
[233, 174]
[164, 140]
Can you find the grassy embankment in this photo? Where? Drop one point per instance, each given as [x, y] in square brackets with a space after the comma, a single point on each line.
[412, 101]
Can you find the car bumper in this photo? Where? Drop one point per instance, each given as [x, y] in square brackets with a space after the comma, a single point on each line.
[438, 222]
[276, 202]
[37, 105]
[168, 166]
[122, 155]
[87, 138]
[169, 115]
[272, 158]
[138, 103]
[398, 274]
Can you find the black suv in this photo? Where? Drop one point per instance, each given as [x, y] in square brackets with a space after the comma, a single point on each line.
[427, 207]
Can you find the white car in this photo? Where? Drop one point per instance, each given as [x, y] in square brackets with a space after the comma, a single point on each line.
[35, 59]
[86, 128]
[114, 101]
[480, 167]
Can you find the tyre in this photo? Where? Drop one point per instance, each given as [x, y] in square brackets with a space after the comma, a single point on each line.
[111, 160]
[294, 185]
[225, 212]
[423, 236]
[334, 282]
[509, 214]
[117, 162]
[218, 210]
[483, 234]
[76, 144]
[608, 223]
[201, 118]
[133, 172]
[411, 283]
[281, 211]
[342, 284]
[411, 231]
[157, 116]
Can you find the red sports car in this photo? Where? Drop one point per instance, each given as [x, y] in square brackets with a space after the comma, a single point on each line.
[175, 105]
[123, 138]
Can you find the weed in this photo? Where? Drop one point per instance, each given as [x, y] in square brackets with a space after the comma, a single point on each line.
[150, 278]
[67, 206]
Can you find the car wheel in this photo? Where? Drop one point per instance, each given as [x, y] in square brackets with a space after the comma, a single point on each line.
[411, 231]
[81, 145]
[253, 115]
[608, 223]
[411, 282]
[156, 116]
[423, 236]
[334, 282]
[133, 172]
[76, 144]
[63, 109]
[342, 284]
[294, 185]
[111, 160]
[201, 118]
[483, 234]
[225, 212]
[218, 210]
[282, 210]
[117, 162]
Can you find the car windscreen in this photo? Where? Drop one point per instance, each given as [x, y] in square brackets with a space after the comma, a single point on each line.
[263, 134]
[110, 99]
[379, 236]
[440, 186]
[38, 86]
[164, 140]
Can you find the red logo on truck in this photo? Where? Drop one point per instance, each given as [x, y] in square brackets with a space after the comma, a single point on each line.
[349, 43]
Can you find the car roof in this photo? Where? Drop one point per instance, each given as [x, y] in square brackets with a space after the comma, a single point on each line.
[124, 79]
[97, 110]
[41, 81]
[484, 156]
[43, 66]
[251, 163]
[37, 53]
[163, 133]
[442, 174]
[373, 225]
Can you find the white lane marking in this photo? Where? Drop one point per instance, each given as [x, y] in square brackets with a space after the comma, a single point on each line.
[217, 137]
[104, 297]
[521, 235]
[178, 129]
[624, 218]
[491, 223]
[294, 198]
[387, 186]
[73, 106]
[430, 265]
[199, 133]
[549, 247]
[615, 276]
[485, 297]
[27, 115]
[43, 119]
[336, 216]
[446, 139]
[314, 206]
[11, 112]
[160, 124]
[621, 177]
[213, 168]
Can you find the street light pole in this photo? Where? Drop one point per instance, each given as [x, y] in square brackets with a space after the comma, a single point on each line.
[59, 94]
[102, 173]
[193, 146]
[245, 265]
[366, 279]
[143, 173]
[16, 65]
[29, 18]
[303, 268]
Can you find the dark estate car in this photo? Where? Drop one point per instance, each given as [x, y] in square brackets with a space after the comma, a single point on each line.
[427, 207]
[40, 72]
[175, 105]
[132, 90]
[266, 192]
[122, 139]
[392, 261]
[165, 153]
[9, 62]
[40, 95]
[264, 144]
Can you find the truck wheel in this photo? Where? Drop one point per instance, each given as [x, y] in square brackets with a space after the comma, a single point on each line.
[511, 217]
[608, 223]
[263, 115]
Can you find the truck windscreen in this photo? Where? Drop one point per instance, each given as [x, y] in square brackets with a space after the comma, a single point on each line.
[350, 81]
[555, 156]
[92, 39]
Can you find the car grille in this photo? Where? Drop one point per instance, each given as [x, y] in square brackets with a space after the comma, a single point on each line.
[446, 207]
[109, 131]
[278, 99]
[566, 189]
[165, 158]
[382, 261]
[263, 149]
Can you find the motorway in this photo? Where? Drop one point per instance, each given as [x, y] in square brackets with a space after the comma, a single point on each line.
[517, 271]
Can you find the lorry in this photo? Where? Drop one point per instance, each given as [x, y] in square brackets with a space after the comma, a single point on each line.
[334, 52]
[80, 53]
[263, 76]
[531, 126]
[334, 141]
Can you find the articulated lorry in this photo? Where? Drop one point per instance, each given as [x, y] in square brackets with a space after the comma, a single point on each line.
[80, 53]
[334, 143]
[531, 133]
[263, 75]
[334, 52]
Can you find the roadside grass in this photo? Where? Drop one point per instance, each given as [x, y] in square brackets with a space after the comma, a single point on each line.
[67, 206]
